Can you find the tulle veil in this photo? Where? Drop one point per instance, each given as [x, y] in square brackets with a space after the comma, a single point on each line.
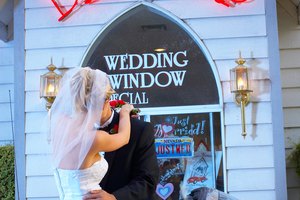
[76, 109]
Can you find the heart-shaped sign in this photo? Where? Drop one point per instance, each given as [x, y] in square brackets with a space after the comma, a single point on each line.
[62, 10]
[164, 191]
[231, 3]
[167, 128]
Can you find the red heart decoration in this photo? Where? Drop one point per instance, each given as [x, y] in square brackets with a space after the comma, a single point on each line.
[167, 128]
[90, 1]
[239, 1]
[62, 10]
[231, 3]
[223, 2]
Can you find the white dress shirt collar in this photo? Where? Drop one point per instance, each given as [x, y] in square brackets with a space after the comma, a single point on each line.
[105, 124]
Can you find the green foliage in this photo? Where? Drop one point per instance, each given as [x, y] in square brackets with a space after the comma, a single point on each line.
[295, 157]
[7, 176]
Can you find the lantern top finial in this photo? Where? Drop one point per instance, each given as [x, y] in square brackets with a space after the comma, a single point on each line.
[240, 60]
[51, 67]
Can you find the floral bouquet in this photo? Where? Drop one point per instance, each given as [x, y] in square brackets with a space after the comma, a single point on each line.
[118, 103]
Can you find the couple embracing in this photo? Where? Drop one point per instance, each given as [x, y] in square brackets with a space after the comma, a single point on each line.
[82, 127]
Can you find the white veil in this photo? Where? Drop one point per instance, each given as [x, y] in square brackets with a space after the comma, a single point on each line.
[77, 107]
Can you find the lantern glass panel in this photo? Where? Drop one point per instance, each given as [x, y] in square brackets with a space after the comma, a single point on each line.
[232, 80]
[43, 84]
[49, 85]
[239, 80]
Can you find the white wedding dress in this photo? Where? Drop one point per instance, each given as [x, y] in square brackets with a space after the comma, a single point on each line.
[74, 184]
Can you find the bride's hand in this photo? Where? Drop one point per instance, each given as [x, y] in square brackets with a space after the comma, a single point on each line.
[99, 194]
[126, 109]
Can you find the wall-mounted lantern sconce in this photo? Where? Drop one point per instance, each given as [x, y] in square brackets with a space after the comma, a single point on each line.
[49, 85]
[239, 85]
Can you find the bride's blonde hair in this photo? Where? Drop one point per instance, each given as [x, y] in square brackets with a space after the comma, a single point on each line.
[80, 85]
[77, 106]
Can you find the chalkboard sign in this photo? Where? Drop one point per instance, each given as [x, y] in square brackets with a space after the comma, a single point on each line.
[152, 61]
[195, 126]
[184, 152]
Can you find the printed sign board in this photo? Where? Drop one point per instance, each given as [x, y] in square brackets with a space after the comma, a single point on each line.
[174, 147]
[178, 74]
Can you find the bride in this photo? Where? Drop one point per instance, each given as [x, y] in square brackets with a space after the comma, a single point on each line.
[82, 102]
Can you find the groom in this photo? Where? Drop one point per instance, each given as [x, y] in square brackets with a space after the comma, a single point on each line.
[133, 170]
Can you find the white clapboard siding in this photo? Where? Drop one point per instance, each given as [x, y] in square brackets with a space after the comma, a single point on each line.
[58, 37]
[40, 58]
[73, 59]
[260, 86]
[291, 117]
[41, 186]
[86, 15]
[256, 47]
[290, 78]
[259, 68]
[39, 104]
[290, 71]
[257, 135]
[37, 143]
[220, 27]
[255, 195]
[35, 121]
[6, 74]
[6, 131]
[184, 8]
[43, 4]
[46, 38]
[290, 41]
[196, 9]
[4, 92]
[251, 179]
[6, 85]
[7, 56]
[292, 136]
[293, 193]
[289, 58]
[38, 165]
[261, 91]
[5, 111]
[250, 157]
[32, 79]
[255, 113]
[291, 97]
[9, 44]
[82, 36]
[6, 142]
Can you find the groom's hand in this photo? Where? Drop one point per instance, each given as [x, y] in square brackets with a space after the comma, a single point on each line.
[99, 195]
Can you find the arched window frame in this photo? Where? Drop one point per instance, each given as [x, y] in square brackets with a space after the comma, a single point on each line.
[180, 109]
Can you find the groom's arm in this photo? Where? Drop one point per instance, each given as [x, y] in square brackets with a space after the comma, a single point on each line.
[145, 170]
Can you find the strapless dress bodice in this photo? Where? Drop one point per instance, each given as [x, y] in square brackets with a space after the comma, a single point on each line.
[74, 184]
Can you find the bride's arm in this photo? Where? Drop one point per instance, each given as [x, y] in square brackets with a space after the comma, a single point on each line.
[109, 142]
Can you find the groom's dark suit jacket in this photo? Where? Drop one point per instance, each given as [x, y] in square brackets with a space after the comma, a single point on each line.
[133, 169]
